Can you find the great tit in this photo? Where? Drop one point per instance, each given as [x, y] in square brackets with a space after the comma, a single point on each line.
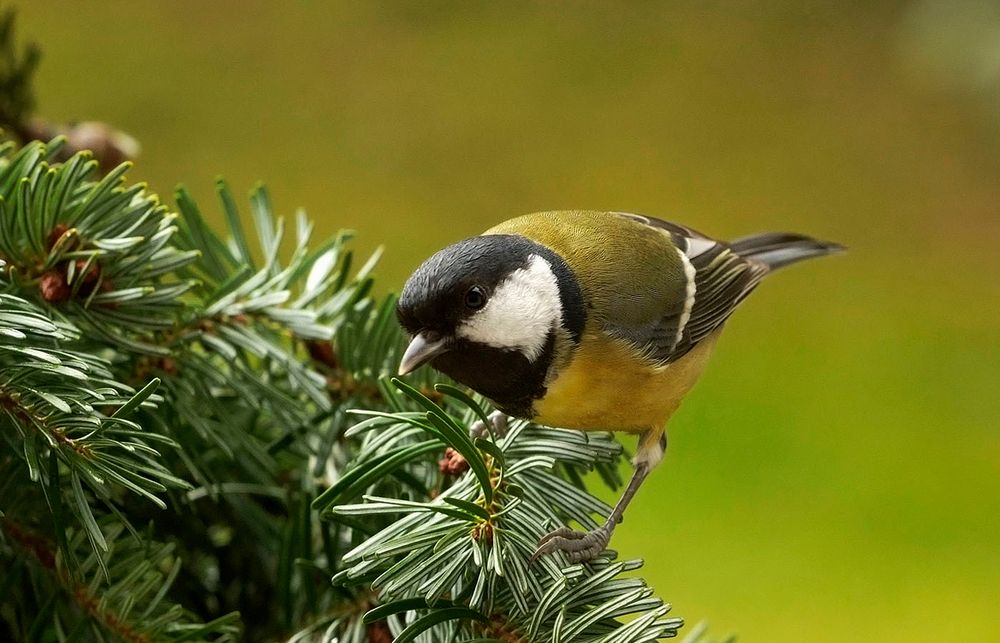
[586, 320]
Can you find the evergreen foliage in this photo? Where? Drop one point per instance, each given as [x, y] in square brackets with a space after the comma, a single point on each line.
[200, 441]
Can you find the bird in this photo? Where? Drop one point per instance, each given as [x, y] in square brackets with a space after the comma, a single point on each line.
[588, 320]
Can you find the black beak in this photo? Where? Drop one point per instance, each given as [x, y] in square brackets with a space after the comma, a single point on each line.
[425, 346]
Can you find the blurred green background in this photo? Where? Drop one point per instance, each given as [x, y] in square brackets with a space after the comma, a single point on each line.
[835, 475]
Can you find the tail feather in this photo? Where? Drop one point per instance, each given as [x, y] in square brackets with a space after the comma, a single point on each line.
[778, 249]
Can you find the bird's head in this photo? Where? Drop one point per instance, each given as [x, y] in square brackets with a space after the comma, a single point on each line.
[488, 311]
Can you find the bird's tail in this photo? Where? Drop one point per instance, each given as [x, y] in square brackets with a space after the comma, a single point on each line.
[778, 249]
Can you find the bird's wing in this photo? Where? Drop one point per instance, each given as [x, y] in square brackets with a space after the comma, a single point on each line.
[717, 280]
[660, 286]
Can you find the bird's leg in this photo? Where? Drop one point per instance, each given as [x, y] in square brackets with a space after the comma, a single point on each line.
[499, 422]
[583, 546]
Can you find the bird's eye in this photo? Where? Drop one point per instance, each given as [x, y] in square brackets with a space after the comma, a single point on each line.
[475, 298]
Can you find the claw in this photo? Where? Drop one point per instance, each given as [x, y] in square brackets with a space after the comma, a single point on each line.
[499, 422]
[562, 532]
[581, 547]
[477, 430]
[578, 546]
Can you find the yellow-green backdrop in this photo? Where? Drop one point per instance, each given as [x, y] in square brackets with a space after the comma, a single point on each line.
[836, 474]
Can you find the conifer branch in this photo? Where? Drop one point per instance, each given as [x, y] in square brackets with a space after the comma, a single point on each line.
[200, 432]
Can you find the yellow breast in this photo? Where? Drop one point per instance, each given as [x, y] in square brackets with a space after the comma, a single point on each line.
[608, 386]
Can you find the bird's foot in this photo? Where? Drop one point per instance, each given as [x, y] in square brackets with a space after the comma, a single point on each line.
[578, 546]
[499, 422]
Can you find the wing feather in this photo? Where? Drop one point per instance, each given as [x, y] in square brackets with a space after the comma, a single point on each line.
[722, 279]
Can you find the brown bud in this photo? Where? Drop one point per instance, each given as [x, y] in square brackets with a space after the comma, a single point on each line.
[453, 463]
[322, 352]
[53, 287]
[39, 130]
[58, 230]
[91, 275]
[111, 147]
[378, 632]
[168, 365]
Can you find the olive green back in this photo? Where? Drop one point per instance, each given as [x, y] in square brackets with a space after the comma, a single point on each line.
[631, 274]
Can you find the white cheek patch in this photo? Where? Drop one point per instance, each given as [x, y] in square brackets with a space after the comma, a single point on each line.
[520, 313]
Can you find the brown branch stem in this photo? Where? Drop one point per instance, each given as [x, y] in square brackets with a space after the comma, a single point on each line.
[43, 552]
